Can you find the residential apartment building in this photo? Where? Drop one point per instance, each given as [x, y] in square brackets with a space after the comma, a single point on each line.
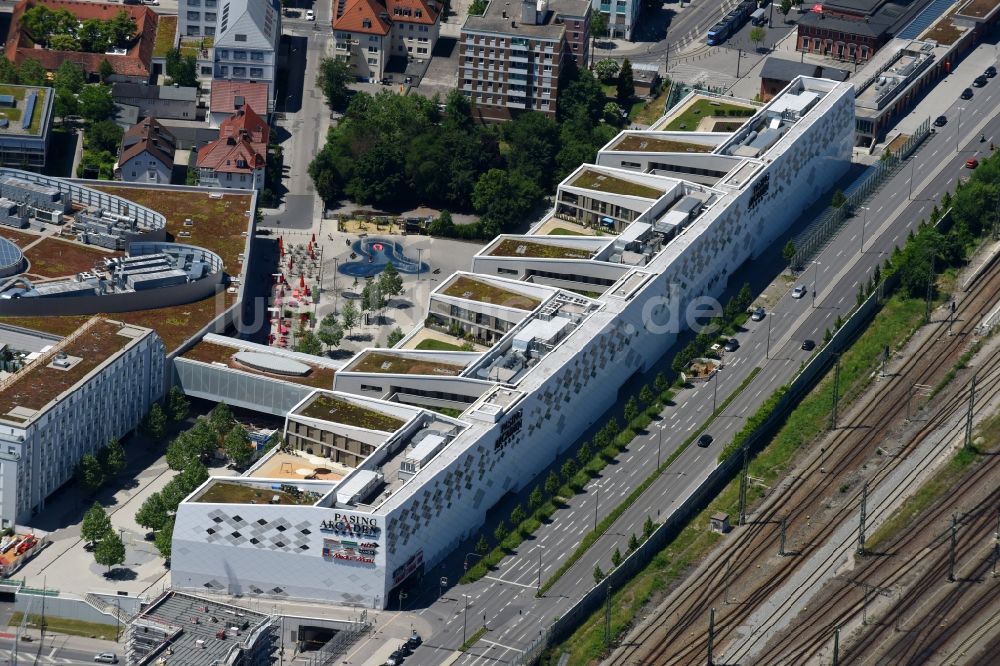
[197, 18]
[89, 388]
[176, 102]
[246, 43]
[368, 33]
[238, 157]
[512, 55]
[147, 154]
[622, 15]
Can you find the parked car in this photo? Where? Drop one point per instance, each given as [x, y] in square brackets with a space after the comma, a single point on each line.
[967, 93]
[990, 72]
[705, 441]
[808, 345]
[310, 15]
[732, 344]
[758, 314]
[414, 640]
[799, 291]
[980, 81]
[971, 163]
[940, 121]
[264, 232]
[106, 658]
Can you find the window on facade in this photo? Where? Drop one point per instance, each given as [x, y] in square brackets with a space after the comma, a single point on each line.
[372, 49]
[194, 16]
[239, 55]
[223, 54]
[240, 38]
[192, 31]
[256, 72]
[225, 70]
[211, 3]
[210, 16]
[257, 55]
[372, 61]
[210, 30]
[194, 3]
[421, 50]
[239, 71]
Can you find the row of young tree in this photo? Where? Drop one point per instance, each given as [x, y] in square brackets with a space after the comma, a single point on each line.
[374, 299]
[60, 30]
[391, 150]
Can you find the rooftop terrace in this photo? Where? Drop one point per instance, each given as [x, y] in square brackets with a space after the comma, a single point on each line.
[326, 407]
[978, 8]
[209, 352]
[38, 384]
[517, 247]
[14, 114]
[600, 182]
[469, 288]
[403, 364]
[220, 491]
[640, 143]
[299, 466]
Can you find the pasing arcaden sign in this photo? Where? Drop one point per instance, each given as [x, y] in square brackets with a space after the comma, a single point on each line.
[361, 527]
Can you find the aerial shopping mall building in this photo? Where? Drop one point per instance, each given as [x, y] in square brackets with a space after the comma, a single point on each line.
[380, 478]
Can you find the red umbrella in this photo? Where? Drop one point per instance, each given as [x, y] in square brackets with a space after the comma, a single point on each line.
[313, 241]
[302, 281]
[281, 246]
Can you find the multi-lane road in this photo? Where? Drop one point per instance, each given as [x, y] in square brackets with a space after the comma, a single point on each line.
[505, 600]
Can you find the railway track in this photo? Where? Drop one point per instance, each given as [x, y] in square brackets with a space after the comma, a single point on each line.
[802, 496]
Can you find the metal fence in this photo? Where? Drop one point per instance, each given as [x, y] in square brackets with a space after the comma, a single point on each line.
[338, 645]
[725, 472]
[811, 241]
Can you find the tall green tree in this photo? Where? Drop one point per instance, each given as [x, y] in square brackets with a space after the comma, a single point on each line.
[103, 135]
[31, 73]
[96, 524]
[105, 70]
[504, 199]
[89, 473]
[330, 331]
[96, 103]
[113, 458]
[333, 77]
[626, 84]
[66, 104]
[349, 314]
[395, 335]
[156, 422]
[606, 70]
[309, 343]
[221, 419]
[390, 281]
[164, 538]
[237, 447]
[69, 76]
[153, 513]
[551, 484]
[110, 551]
[177, 404]
[757, 35]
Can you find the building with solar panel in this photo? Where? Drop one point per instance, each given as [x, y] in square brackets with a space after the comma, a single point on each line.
[25, 125]
[11, 259]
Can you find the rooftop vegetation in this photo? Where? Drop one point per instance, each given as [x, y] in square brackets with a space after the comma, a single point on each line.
[166, 32]
[331, 408]
[485, 292]
[600, 182]
[53, 257]
[13, 114]
[704, 108]
[511, 247]
[60, 30]
[634, 142]
[406, 364]
[230, 492]
[208, 352]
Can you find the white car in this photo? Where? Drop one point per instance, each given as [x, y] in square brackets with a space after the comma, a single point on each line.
[150, 2]
[310, 15]
[799, 291]
[106, 658]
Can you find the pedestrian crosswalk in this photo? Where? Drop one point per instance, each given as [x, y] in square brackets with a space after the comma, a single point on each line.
[695, 74]
[25, 657]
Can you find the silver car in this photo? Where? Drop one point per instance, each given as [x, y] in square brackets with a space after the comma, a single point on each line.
[799, 291]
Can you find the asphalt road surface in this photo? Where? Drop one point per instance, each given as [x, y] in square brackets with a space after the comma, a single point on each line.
[505, 600]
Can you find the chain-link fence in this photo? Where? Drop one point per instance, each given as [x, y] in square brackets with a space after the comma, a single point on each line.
[811, 241]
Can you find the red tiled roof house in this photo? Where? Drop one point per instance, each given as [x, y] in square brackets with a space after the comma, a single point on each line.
[367, 33]
[133, 65]
[237, 158]
[147, 153]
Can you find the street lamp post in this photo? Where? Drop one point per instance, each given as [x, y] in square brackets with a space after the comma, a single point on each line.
[815, 278]
[715, 390]
[402, 596]
[767, 351]
[465, 618]
[912, 167]
[538, 588]
[659, 444]
[336, 266]
[958, 126]
[864, 222]
[597, 501]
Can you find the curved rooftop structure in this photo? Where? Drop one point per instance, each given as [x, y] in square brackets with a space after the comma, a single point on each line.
[11, 258]
[277, 365]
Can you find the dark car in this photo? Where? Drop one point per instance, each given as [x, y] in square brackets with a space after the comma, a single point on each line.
[990, 72]
[732, 344]
[414, 641]
[967, 93]
[940, 121]
[808, 345]
[264, 232]
[980, 81]
[758, 314]
[704, 441]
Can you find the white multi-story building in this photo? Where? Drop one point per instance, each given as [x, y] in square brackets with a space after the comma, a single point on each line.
[246, 43]
[622, 15]
[89, 388]
[197, 18]
[367, 33]
[372, 487]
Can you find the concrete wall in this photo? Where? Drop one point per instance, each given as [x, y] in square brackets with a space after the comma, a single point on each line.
[70, 608]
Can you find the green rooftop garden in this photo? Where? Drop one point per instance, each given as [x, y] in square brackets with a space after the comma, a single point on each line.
[331, 408]
[511, 247]
[229, 492]
[166, 32]
[705, 108]
[13, 114]
[594, 180]
[382, 362]
[633, 142]
[486, 292]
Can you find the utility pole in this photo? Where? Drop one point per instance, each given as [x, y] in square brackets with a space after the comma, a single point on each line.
[885, 360]
[864, 516]
[781, 546]
[729, 568]
[465, 619]
[836, 395]
[711, 635]
[607, 616]
[968, 415]
[538, 589]
[836, 646]
[952, 547]
[739, 57]
[744, 480]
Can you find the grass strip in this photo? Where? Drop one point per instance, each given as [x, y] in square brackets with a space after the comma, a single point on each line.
[472, 639]
[62, 625]
[591, 537]
[944, 481]
[892, 325]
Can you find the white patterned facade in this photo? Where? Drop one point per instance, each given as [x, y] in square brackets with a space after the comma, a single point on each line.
[518, 418]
